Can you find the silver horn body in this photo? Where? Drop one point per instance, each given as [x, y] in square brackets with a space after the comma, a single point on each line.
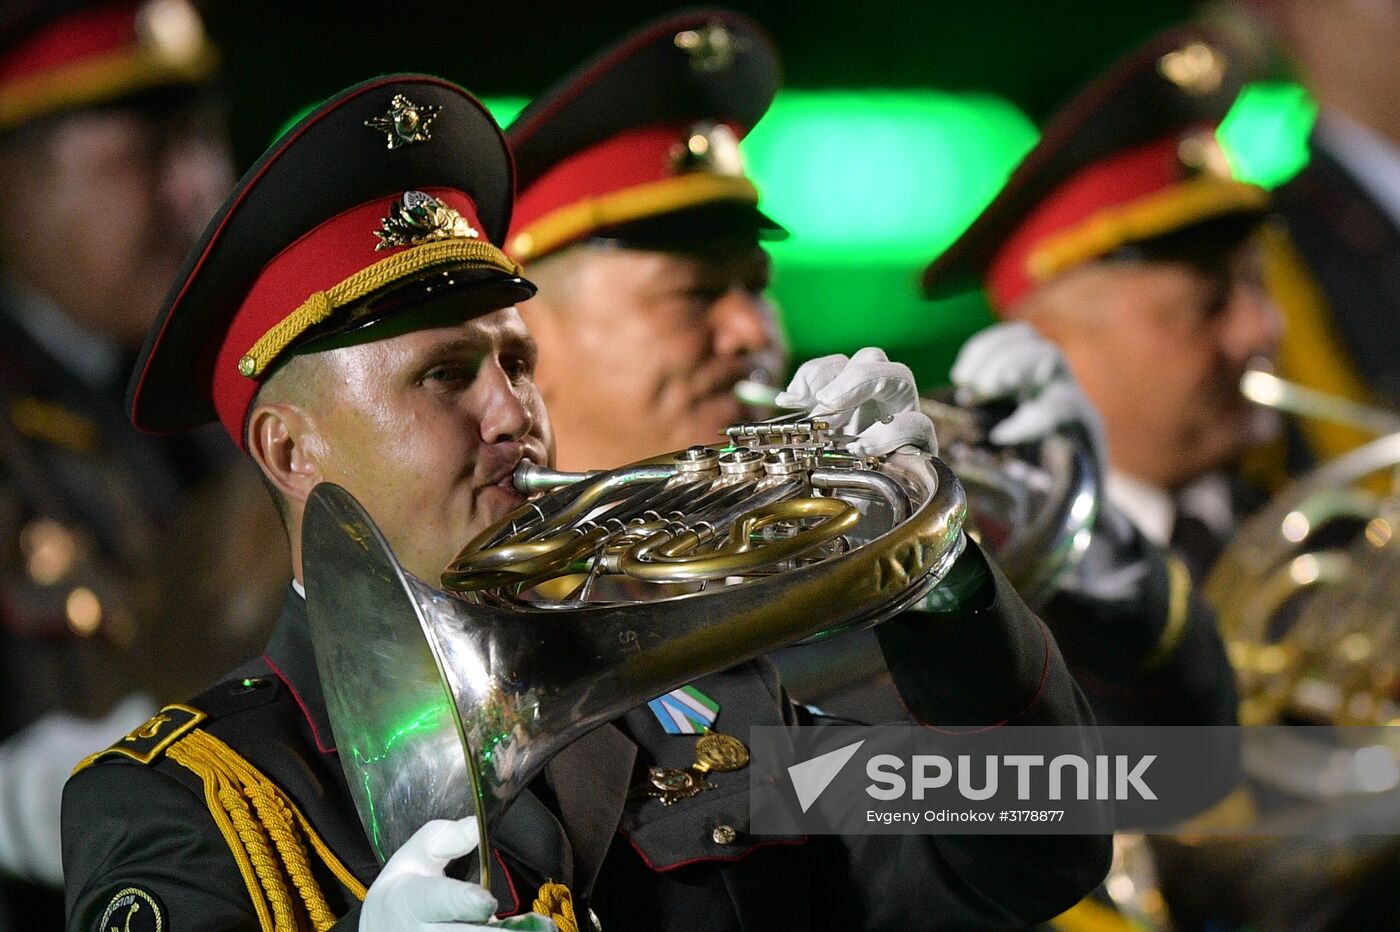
[444, 705]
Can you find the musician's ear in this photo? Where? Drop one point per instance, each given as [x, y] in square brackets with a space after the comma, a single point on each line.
[283, 442]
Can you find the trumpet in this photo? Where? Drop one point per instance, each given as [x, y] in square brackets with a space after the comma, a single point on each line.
[602, 592]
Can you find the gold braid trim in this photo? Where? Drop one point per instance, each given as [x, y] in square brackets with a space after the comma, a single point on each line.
[1169, 209]
[267, 838]
[1091, 916]
[1178, 609]
[100, 78]
[321, 304]
[568, 223]
[555, 901]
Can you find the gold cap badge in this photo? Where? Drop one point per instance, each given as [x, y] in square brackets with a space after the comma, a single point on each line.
[422, 218]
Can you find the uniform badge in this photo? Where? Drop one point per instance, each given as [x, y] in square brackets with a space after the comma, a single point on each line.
[133, 909]
[405, 123]
[711, 48]
[147, 742]
[421, 218]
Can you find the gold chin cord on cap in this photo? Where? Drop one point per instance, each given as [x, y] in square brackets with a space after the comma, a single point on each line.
[605, 591]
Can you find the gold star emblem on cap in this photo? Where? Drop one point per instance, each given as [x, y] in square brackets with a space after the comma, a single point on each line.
[1197, 68]
[711, 48]
[405, 123]
[421, 218]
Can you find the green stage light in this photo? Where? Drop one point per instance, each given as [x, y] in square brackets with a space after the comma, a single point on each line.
[504, 109]
[1265, 134]
[881, 175]
[872, 185]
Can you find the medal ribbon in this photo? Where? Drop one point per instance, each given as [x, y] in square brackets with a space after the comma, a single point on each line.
[685, 711]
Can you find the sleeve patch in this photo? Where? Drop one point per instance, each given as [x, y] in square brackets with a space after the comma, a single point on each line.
[133, 909]
[149, 741]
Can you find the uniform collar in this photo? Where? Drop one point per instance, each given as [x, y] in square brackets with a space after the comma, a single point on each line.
[1372, 160]
[93, 359]
[292, 659]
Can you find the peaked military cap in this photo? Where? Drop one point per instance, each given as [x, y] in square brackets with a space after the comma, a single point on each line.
[58, 55]
[1132, 158]
[640, 144]
[377, 212]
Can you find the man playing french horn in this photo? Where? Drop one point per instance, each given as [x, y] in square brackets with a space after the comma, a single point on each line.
[348, 317]
[637, 220]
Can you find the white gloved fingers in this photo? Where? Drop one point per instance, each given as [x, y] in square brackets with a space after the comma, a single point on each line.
[1007, 360]
[878, 389]
[982, 349]
[1059, 405]
[441, 841]
[443, 899]
[904, 429]
[529, 922]
[868, 354]
[810, 377]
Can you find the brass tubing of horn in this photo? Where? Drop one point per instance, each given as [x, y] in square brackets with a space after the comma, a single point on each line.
[1270, 391]
[865, 480]
[531, 477]
[520, 562]
[669, 557]
[550, 549]
[557, 508]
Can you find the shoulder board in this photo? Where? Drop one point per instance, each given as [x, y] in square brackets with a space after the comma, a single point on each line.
[147, 742]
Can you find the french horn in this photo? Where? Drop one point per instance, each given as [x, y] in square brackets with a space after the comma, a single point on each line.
[1308, 592]
[601, 593]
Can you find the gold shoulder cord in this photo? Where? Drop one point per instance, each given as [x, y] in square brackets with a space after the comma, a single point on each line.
[555, 901]
[267, 835]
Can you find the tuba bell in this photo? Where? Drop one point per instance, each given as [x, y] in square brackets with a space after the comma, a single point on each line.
[603, 592]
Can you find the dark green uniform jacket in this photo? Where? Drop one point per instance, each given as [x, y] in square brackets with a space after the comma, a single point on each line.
[131, 826]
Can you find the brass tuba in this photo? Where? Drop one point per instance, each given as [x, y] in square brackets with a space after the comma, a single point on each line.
[602, 593]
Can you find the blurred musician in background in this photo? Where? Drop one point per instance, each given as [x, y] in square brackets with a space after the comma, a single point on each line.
[112, 158]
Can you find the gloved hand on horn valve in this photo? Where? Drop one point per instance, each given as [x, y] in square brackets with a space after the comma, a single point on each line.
[866, 395]
[413, 894]
[1014, 362]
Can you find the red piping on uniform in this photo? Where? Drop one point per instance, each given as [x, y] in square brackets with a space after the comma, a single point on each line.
[315, 732]
[510, 883]
[725, 859]
[1044, 675]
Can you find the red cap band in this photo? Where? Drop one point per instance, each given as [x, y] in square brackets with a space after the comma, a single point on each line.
[322, 259]
[1122, 179]
[627, 161]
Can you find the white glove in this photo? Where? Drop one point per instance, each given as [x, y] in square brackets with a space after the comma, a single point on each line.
[865, 395]
[34, 765]
[413, 894]
[1013, 361]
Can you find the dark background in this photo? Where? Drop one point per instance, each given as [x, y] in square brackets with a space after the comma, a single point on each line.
[281, 56]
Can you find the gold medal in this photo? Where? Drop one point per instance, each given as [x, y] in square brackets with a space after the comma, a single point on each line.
[671, 785]
[720, 753]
